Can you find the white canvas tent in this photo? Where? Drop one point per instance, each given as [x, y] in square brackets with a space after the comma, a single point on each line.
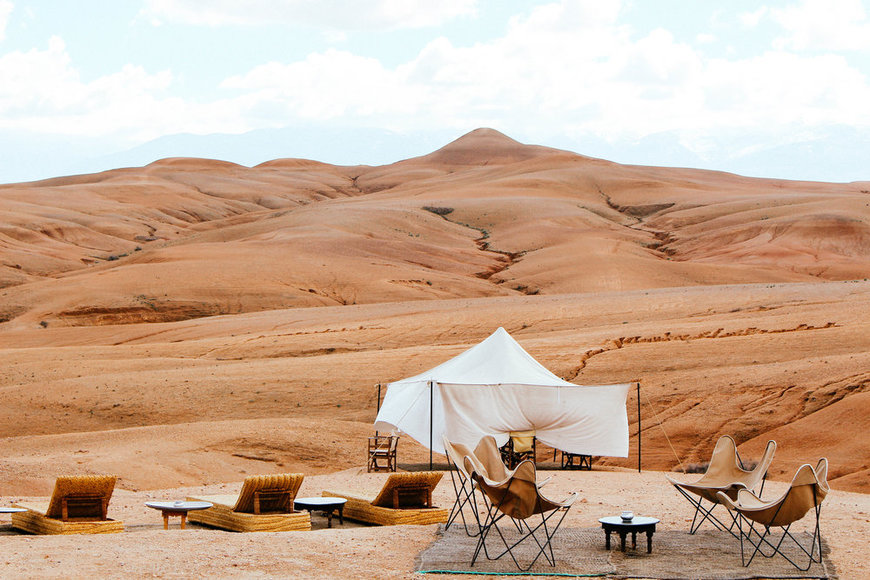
[497, 387]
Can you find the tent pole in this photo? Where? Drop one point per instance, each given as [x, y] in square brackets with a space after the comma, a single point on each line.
[431, 414]
[379, 404]
[638, 427]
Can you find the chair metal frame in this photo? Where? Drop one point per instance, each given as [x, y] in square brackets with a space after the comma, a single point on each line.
[496, 497]
[463, 487]
[746, 535]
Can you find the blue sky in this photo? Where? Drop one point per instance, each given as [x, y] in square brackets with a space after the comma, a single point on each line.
[762, 88]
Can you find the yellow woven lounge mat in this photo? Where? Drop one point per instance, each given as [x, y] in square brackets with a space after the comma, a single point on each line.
[427, 479]
[287, 482]
[676, 554]
[76, 485]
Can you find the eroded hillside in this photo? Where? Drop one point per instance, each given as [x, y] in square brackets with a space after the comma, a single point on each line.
[204, 302]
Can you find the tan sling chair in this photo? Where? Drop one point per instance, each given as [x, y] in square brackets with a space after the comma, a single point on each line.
[518, 498]
[463, 485]
[725, 474]
[487, 459]
[488, 455]
[807, 490]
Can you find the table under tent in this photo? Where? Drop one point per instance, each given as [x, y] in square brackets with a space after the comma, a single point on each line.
[497, 388]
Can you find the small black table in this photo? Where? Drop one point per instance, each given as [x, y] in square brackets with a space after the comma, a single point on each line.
[633, 526]
[322, 504]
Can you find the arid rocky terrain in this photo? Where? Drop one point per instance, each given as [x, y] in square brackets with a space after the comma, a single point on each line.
[192, 321]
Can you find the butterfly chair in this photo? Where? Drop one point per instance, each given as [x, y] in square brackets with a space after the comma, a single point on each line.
[463, 485]
[518, 498]
[725, 474]
[489, 456]
[806, 492]
[521, 445]
[486, 457]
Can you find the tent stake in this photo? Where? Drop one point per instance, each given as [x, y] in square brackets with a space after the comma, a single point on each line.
[431, 413]
[638, 426]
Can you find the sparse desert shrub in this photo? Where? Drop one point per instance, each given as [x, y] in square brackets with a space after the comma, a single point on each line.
[697, 467]
[442, 211]
[702, 467]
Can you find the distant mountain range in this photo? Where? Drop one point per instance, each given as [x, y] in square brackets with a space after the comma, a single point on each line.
[835, 154]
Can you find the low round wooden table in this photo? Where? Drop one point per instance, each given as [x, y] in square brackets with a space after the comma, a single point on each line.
[177, 508]
[638, 524]
[326, 505]
[11, 510]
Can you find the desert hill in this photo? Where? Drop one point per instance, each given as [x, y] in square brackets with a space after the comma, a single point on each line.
[236, 319]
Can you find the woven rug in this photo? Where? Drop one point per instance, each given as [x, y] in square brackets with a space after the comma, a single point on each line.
[453, 550]
[707, 554]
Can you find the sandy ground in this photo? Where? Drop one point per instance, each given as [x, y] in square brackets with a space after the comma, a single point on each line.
[214, 398]
[355, 551]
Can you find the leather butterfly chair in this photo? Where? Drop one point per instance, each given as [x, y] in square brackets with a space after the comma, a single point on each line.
[725, 474]
[518, 498]
[488, 455]
[807, 490]
[463, 484]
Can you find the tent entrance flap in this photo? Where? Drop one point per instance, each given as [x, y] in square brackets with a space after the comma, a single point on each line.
[496, 387]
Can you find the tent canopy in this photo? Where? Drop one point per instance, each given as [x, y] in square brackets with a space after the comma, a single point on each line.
[497, 387]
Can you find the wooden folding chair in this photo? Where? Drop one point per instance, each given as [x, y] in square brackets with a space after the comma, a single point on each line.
[382, 453]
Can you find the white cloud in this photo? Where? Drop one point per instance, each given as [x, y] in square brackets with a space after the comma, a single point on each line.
[325, 86]
[6, 7]
[565, 68]
[330, 14]
[780, 89]
[752, 19]
[40, 90]
[569, 67]
[824, 25]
